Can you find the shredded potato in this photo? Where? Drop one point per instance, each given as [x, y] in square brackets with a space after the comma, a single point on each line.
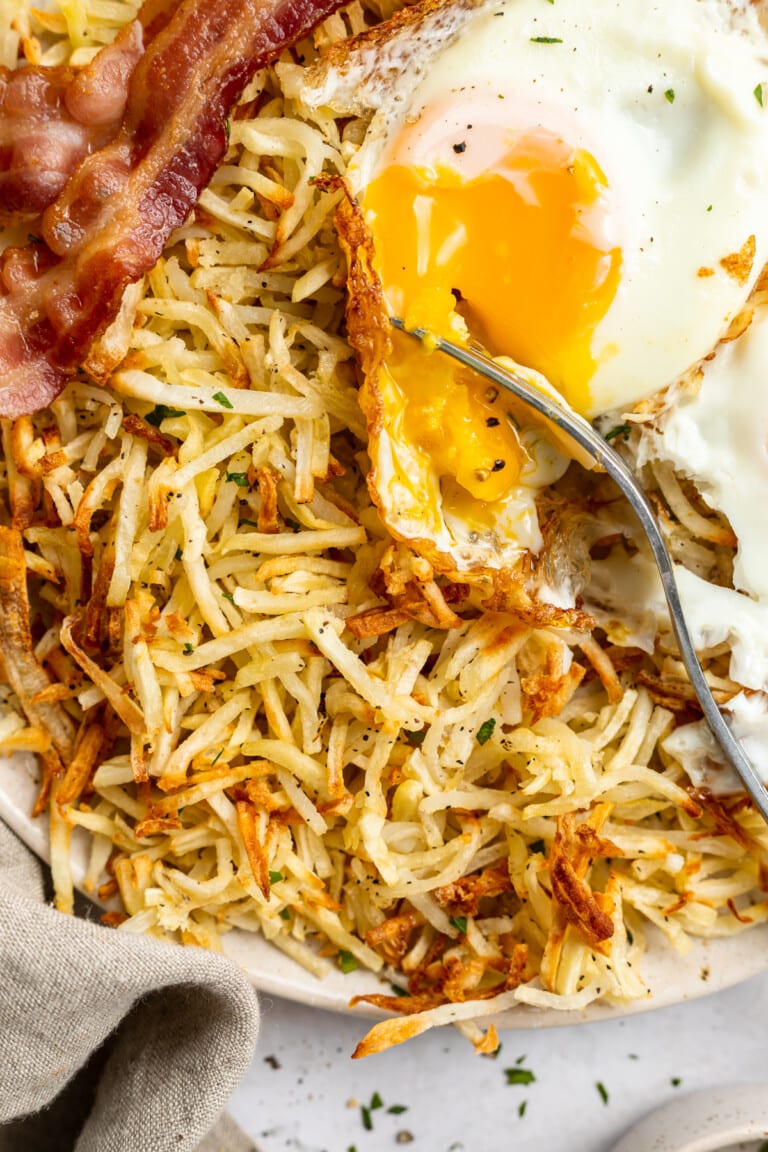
[283, 723]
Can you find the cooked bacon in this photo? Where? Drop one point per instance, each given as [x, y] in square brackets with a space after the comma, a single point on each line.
[119, 207]
[50, 118]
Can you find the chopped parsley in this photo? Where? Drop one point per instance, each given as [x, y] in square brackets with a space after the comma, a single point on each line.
[293, 524]
[536, 846]
[217, 757]
[758, 94]
[220, 398]
[276, 877]
[415, 738]
[676, 1081]
[485, 731]
[347, 962]
[32, 239]
[398, 991]
[228, 127]
[620, 430]
[460, 924]
[188, 648]
[365, 1115]
[284, 914]
[603, 1091]
[162, 412]
[178, 555]
[239, 478]
[376, 1102]
[519, 1076]
[546, 40]
[228, 596]
[669, 95]
[522, 1107]
[397, 1109]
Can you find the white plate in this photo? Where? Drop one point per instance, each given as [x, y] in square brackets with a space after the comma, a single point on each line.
[708, 967]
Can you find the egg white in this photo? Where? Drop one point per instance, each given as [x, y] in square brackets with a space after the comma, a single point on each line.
[666, 96]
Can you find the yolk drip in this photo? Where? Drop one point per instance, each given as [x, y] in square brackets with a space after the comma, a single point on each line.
[520, 245]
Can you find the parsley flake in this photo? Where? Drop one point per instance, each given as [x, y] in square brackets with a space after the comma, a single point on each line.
[178, 554]
[162, 412]
[376, 1102]
[460, 924]
[188, 648]
[485, 731]
[397, 1109]
[365, 1115]
[239, 478]
[415, 738]
[347, 962]
[676, 1081]
[276, 877]
[228, 596]
[522, 1107]
[669, 95]
[758, 94]
[293, 524]
[284, 914]
[32, 239]
[220, 398]
[620, 430]
[546, 40]
[519, 1076]
[536, 846]
[398, 991]
[603, 1091]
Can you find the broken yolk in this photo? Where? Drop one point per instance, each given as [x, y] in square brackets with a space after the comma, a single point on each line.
[520, 246]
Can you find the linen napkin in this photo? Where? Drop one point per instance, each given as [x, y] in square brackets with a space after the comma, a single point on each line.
[111, 1042]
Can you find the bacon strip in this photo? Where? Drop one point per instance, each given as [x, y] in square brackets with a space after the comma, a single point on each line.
[50, 118]
[119, 207]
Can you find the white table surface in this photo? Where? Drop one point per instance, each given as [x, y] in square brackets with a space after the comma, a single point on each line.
[459, 1102]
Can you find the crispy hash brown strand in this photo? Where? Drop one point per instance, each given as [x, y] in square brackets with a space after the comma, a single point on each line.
[272, 717]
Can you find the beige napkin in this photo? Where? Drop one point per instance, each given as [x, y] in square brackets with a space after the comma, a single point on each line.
[111, 1042]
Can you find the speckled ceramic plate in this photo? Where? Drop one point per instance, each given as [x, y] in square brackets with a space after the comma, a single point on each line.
[707, 968]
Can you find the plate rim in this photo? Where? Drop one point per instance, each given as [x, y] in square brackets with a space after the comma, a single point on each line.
[290, 981]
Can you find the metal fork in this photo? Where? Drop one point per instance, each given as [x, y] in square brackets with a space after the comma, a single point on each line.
[584, 435]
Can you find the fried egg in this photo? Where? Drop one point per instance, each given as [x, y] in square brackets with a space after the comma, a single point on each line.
[582, 188]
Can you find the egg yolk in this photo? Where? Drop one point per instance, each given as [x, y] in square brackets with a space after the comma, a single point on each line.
[519, 249]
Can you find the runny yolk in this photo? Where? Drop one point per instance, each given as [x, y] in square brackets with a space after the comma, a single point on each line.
[521, 247]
